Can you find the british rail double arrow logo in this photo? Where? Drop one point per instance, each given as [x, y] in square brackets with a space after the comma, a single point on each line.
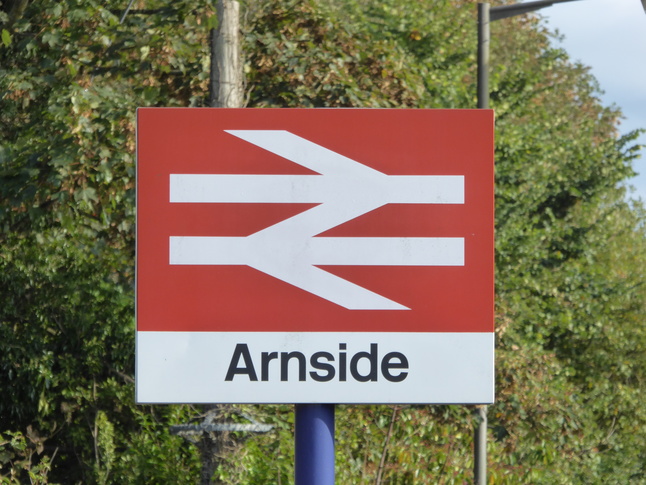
[344, 189]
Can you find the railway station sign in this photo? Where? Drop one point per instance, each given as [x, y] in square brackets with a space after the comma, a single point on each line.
[314, 256]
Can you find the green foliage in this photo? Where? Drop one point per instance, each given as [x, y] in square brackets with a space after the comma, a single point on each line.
[569, 249]
[21, 457]
[263, 458]
[71, 78]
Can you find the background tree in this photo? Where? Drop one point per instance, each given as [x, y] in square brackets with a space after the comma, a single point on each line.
[72, 76]
[570, 295]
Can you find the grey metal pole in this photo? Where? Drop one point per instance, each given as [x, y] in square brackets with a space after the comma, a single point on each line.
[483, 55]
[480, 446]
[486, 15]
[506, 11]
[480, 428]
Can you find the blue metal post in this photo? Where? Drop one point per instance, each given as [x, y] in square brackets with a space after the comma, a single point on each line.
[314, 444]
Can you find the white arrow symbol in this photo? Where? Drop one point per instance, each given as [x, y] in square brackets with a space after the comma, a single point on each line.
[345, 189]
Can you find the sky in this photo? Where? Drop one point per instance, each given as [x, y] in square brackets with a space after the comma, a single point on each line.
[610, 37]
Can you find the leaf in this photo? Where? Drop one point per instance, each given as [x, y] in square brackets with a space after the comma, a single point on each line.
[6, 38]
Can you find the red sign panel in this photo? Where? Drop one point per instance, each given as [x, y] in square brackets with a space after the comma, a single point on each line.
[315, 220]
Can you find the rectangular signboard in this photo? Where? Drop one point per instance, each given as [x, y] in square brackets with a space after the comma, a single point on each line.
[314, 256]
